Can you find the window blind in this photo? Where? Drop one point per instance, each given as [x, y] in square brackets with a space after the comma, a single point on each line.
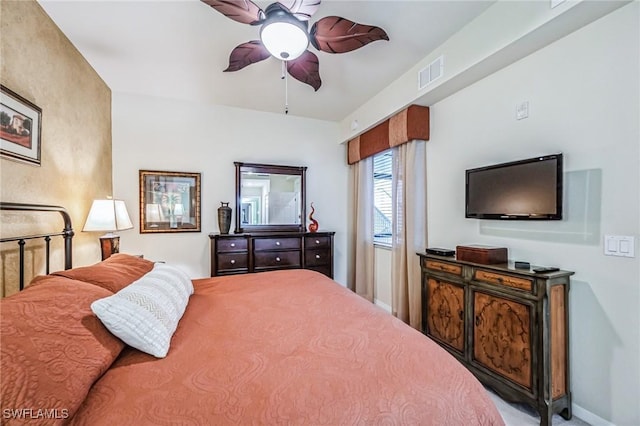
[383, 208]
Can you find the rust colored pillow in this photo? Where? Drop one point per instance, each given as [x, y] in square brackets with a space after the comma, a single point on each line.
[114, 273]
[53, 349]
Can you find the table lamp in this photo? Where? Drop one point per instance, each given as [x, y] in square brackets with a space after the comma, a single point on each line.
[108, 215]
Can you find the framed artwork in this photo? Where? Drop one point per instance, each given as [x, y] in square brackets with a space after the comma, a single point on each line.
[169, 202]
[19, 128]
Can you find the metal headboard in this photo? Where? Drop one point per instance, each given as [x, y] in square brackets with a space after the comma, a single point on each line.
[67, 234]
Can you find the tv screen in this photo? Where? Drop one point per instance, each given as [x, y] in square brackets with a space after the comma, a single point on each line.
[528, 189]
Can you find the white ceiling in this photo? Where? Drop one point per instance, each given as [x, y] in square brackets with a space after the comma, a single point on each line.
[178, 48]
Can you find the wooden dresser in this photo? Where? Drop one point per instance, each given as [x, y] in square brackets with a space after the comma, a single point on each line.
[268, 251]
[510, 327]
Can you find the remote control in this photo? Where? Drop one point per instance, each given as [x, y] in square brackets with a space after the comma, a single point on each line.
[545, 269]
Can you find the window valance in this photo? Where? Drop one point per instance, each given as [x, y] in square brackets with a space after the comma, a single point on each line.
[407, 125]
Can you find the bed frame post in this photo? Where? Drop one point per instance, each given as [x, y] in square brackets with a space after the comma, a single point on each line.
[21, 244]
[68, 253]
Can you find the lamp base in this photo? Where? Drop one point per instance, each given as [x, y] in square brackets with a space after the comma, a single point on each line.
[109, 244]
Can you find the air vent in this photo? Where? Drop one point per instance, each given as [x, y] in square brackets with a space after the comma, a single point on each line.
[431, 73]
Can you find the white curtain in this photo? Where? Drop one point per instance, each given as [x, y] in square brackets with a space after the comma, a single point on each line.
[410, 229]
[363, 254]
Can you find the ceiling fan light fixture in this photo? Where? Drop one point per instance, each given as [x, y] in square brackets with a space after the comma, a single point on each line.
[283, 35]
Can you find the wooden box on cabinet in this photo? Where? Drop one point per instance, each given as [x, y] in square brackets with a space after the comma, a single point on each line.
[509, 327]
[486, 255]
[268, 251]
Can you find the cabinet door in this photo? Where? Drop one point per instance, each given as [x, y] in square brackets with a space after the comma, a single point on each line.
[502, 337]
[445, 312]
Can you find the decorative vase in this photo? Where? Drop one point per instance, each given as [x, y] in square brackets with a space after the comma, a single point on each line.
[313, 226]
[224, 218]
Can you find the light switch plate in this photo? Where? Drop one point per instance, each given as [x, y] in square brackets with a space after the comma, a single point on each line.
[619, 245]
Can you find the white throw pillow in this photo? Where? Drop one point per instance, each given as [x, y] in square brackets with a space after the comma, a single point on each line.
[145, 314]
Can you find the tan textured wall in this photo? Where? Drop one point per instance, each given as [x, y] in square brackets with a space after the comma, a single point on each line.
[39, 63]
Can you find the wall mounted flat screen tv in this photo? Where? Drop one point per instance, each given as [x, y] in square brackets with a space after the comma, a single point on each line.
[528, 189]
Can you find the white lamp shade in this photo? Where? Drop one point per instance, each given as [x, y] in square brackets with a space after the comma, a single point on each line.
[178, 209]
[108, 215]
[284, 40]
[153, 213]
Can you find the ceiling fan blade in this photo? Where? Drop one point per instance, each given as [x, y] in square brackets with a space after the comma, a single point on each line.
[306, 69]
[301, 9]
[247, 54]
[334, 34]
[244, 11]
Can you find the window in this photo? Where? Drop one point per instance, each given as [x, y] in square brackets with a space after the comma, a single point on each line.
[382, 211]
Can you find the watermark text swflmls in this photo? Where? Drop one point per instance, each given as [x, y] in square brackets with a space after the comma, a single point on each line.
[35, 413]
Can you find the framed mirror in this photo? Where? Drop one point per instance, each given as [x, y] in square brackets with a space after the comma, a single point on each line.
[270, 198]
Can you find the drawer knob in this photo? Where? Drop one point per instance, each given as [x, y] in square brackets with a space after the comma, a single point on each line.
[317, 256]
[233, 244]
[277, 243]
[317, 241]
[233, 261]
[277, 259]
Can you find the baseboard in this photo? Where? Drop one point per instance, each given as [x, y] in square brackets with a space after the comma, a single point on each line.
[382, 305]
[589, 417]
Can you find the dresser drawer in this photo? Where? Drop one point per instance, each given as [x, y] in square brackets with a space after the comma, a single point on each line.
[233, 261]
[503, 279]
[449, 268]
[276, 243]
[317, 242]
[324, 269]
[276, 259]
[317, 257]
[232, 244]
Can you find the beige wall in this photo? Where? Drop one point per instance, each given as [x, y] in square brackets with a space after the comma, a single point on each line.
[148, 133]
[40, 64]
[587, 108]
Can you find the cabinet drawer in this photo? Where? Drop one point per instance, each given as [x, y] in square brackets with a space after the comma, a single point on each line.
[443, 267]
[276, 243]
[232, 244]
[270, 259]
[235, 261]
[317, 257]
[502, 279]
[317, 242]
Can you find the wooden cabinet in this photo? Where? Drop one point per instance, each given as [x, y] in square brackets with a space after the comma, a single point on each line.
[502, 337]
[445, 318]
[232, 255]
[318, 253]
[509, 327]
[267, 251]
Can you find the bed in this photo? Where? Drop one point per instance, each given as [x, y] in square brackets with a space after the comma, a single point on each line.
[281, 347]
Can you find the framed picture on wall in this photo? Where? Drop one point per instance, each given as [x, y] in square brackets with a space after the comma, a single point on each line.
[20, 124]
[169, 202]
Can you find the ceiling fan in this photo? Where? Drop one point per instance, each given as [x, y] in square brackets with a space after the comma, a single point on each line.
[284, 35]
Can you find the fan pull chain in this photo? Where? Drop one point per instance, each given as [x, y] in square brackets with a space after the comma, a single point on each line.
[286, 87]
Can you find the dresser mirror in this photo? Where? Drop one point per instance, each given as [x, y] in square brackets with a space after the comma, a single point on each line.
[269, 198]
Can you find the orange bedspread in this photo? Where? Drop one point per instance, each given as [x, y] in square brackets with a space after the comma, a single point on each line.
[288, 347]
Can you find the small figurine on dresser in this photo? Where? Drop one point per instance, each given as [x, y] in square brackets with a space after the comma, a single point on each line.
[313, 226]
